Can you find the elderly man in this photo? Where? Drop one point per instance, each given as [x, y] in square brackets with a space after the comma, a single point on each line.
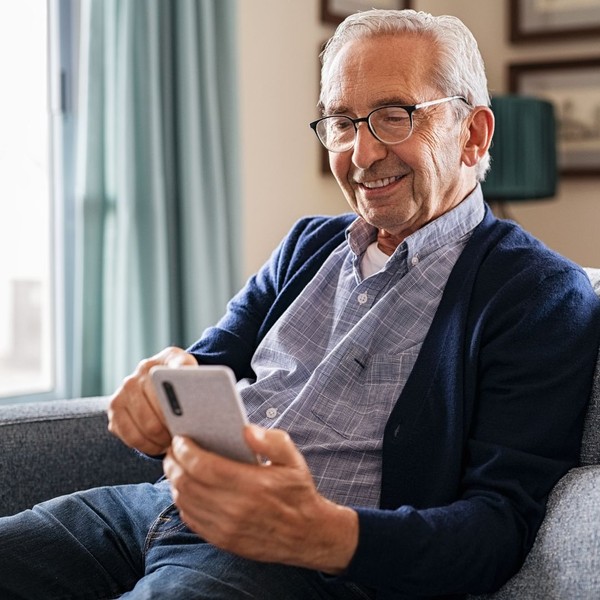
[407, 369]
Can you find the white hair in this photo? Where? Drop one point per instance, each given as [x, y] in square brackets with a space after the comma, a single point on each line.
[459, 70]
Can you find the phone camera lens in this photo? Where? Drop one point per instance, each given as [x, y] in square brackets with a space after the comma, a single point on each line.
[172, 396]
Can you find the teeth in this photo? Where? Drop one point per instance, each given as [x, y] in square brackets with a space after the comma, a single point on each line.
[379, 182]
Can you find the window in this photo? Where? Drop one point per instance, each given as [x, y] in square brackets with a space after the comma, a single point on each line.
[32, 332]
[26, 327]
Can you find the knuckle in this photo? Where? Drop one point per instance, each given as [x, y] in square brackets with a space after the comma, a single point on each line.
[112, 426]
[129, 386]
[114, 414]
[166, 354]
[180, 484]
[175, 478]
[114, 405]
[145, 365]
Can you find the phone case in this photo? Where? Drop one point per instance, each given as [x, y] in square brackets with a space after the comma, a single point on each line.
[203, 403]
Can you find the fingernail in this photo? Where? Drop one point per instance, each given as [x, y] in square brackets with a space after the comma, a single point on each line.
[178, 444]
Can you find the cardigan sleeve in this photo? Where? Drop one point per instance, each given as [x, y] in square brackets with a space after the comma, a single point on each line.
[533, 350]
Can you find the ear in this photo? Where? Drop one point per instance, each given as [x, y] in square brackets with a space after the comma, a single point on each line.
[478, 135]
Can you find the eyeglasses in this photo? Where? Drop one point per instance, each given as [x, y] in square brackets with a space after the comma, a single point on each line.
[389, 124]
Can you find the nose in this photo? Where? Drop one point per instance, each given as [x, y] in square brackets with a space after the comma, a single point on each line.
[367, 148]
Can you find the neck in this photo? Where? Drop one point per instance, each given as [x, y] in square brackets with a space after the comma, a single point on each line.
[387, 242]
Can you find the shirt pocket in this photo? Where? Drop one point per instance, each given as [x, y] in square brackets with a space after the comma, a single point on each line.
[356, 396]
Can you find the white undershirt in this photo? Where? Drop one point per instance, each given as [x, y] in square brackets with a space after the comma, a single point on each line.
[373, 260]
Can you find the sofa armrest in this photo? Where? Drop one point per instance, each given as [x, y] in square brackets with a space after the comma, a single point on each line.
[53, 448]
[565, 559]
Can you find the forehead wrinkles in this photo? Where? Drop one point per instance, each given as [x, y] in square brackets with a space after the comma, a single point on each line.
[346, 72]
[367, 71]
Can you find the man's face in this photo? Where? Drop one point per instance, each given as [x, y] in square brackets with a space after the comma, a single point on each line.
[402, 187]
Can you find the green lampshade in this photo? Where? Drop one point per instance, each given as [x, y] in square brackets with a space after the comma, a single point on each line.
[523, 150]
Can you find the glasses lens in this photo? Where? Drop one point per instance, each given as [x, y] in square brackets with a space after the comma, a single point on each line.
[336, 133]
[391, 124]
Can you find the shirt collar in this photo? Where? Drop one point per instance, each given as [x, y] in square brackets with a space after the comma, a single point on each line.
[448, 228]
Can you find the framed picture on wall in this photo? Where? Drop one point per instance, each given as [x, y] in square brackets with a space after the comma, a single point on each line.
[573, 86]
[533, 20]
[335, 11]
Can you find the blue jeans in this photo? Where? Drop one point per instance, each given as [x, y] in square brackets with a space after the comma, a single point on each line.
[129, 542]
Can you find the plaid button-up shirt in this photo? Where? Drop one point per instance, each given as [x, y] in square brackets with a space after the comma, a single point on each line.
[331, 369]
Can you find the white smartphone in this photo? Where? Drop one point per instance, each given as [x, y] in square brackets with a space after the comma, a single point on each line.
[202, 403]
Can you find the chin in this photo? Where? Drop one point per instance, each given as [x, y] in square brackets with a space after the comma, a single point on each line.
[389, 220]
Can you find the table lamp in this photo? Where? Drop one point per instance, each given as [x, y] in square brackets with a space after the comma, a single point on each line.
[523, 151]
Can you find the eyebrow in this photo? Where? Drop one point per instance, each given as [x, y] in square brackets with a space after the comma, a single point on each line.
[341, 109]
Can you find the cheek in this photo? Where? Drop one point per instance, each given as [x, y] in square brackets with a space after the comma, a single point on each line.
[340, 167]
[436, 154]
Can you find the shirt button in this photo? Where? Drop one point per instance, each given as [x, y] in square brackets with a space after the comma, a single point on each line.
[362, 298]
[271, 413]
[414, 260]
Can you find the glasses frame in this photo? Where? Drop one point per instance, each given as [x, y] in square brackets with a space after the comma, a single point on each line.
[409, 108]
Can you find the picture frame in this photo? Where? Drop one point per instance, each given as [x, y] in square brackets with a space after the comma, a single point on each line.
[333, 12]
[539, 20]
[573, 87]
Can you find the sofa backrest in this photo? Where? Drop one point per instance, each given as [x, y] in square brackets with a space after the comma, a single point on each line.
[590, 446]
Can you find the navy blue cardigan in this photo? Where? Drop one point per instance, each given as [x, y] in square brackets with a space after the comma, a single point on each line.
[490, 417]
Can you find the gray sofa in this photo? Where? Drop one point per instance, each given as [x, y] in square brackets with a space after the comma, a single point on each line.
[54, 448]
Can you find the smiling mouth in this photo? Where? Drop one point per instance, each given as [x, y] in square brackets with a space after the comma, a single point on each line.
[380, 183]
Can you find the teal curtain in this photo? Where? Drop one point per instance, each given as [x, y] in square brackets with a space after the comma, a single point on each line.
[156, 180]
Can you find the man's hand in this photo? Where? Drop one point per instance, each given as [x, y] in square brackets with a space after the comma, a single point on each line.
[134, 413]
[270, 512]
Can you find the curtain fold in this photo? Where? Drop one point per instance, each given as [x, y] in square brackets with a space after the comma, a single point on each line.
[157, 180]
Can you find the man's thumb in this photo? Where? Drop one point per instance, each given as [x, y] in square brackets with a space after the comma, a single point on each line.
[274, 445]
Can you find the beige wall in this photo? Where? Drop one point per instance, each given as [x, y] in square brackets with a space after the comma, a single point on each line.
[278, 42]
